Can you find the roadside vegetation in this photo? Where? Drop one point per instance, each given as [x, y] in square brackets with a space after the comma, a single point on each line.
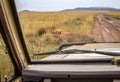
[115, 15]
[6, 67]
[38, 27]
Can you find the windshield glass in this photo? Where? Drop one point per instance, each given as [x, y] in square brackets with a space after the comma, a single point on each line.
[47, 24]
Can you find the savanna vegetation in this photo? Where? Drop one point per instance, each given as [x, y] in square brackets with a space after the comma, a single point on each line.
[38, 27]
[115, 15]
[6, 67]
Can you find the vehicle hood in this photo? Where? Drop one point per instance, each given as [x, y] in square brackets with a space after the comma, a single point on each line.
[107, 47]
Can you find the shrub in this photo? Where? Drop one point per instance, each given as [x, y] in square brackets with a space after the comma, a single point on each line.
[41, 31]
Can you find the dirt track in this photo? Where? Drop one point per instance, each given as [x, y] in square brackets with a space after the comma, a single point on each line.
[106, 29]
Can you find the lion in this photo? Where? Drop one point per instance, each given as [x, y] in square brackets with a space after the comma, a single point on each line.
[61, 37]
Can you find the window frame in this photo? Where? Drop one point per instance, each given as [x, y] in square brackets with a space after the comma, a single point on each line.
[27, 55]
[5, 30]
[17, 71]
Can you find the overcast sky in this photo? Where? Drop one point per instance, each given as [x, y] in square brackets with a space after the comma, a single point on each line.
[57, 5]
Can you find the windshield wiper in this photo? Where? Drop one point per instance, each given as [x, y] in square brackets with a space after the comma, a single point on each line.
[76, 51]
[62, 46]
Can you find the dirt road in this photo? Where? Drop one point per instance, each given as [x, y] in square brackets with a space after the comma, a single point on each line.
[106, 29]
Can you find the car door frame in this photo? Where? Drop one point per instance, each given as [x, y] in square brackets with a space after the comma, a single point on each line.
[13, 38]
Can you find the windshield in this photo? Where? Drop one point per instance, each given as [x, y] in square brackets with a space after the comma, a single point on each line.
[73, 24]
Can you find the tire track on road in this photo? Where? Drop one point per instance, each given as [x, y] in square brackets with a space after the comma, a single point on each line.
[104, 30]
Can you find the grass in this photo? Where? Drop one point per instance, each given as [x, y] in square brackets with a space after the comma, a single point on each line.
[38, 27]
[6, 67]
[115, 15]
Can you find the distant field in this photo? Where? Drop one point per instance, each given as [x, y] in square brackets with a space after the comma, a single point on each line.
[38, 27]
[114, 14]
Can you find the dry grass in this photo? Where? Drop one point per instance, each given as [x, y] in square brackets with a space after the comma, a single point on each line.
[38, 27]
[114, 14]
[6, 67]
[32, 22]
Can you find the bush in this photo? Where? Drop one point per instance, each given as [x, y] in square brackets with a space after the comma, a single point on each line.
[41, 31]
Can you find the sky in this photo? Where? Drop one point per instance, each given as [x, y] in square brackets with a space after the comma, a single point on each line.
[57, 5]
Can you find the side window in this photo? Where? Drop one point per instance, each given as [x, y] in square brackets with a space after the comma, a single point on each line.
[6, 67]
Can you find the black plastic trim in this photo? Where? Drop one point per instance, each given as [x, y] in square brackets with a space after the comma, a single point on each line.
[82, 61]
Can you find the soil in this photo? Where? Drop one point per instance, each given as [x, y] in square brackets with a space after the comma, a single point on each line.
[106, 29]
